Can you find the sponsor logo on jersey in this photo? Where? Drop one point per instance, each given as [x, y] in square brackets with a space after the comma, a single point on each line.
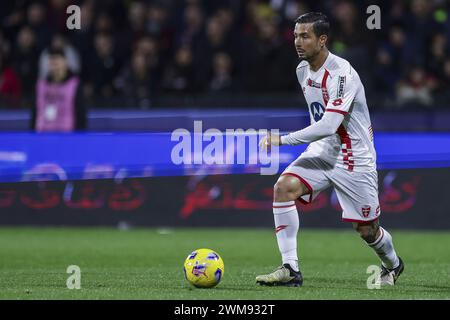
[337, 102]
[317, 110]
[313, 84]
[341, 85]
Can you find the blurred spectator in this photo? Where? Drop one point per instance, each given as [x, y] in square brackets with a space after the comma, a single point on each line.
[72, 56]
[438, 53]
[226, 18]
[137, 18]
[420, 28]
[149, 48]
[157, 19]
[268, 63]
[197, 47]
[37, 20]
[349, 29]
[24, 60]
[102, 68]
[137, 83]
[192, 28]
[10, 87]
[388, 70]
[59, 103]
[179, 76]
[416, 88]
[222, 73]
[443, 89]
[160, 27]
[216, 39]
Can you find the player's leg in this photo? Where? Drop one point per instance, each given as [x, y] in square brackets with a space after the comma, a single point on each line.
[304, 177]
[357, 193]
[380, 240]
[287, 189]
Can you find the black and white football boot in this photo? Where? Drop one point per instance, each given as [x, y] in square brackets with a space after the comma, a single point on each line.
[282, 276]
[388, 277]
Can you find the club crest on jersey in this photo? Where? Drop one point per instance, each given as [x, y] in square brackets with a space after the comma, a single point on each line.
[317, 110]
[313, 84]
[365, 211]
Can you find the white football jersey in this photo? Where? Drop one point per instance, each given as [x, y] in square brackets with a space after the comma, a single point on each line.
[336, 87]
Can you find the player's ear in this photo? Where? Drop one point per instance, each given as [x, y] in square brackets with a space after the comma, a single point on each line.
[323, 40]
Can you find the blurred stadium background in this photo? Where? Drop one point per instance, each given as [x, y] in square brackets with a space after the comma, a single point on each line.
[149, 67]
[155, 66]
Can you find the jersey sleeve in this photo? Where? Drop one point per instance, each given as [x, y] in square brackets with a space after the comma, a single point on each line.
[327, 126]
[342, 94]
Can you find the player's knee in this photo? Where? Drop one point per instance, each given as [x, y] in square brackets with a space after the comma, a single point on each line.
[367, 232]
[280, 189]
[287, 187]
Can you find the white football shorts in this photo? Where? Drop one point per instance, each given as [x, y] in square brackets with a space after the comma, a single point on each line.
[357, 192]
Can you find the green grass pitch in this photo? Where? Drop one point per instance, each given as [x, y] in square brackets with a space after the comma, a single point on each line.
[148, 264]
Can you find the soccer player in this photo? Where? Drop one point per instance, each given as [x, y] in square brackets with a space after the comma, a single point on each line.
[340, 154]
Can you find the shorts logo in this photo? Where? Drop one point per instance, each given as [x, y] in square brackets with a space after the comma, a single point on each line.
[377, 211]
[317, 111]
[365, 211]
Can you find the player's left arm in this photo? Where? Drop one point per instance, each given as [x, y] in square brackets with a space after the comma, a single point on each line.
[342, 93]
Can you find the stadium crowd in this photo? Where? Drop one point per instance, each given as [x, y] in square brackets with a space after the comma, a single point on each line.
[142, 54]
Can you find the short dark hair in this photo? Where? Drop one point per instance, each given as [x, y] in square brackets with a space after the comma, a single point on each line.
[56, 51]
[321, 25]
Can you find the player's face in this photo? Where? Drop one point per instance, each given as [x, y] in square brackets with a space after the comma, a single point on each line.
[307, 44]
[57, 64]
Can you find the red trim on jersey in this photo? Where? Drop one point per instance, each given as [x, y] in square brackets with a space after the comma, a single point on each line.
[307, 185]
[363, 222]
[324, 87]
[337, 111]
[347, 152]
[343, 134]
[279, 207]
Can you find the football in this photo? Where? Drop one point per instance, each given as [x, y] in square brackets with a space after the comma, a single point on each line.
[203, 268]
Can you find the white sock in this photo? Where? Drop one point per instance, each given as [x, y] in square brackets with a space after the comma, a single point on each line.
[286, 227]
[384, 248]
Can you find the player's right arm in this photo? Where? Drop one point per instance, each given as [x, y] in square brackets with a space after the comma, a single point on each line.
[327, 126]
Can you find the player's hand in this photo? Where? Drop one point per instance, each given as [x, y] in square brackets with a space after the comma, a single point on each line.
[268, 141]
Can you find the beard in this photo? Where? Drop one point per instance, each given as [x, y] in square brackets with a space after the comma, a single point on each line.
[309, 57]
